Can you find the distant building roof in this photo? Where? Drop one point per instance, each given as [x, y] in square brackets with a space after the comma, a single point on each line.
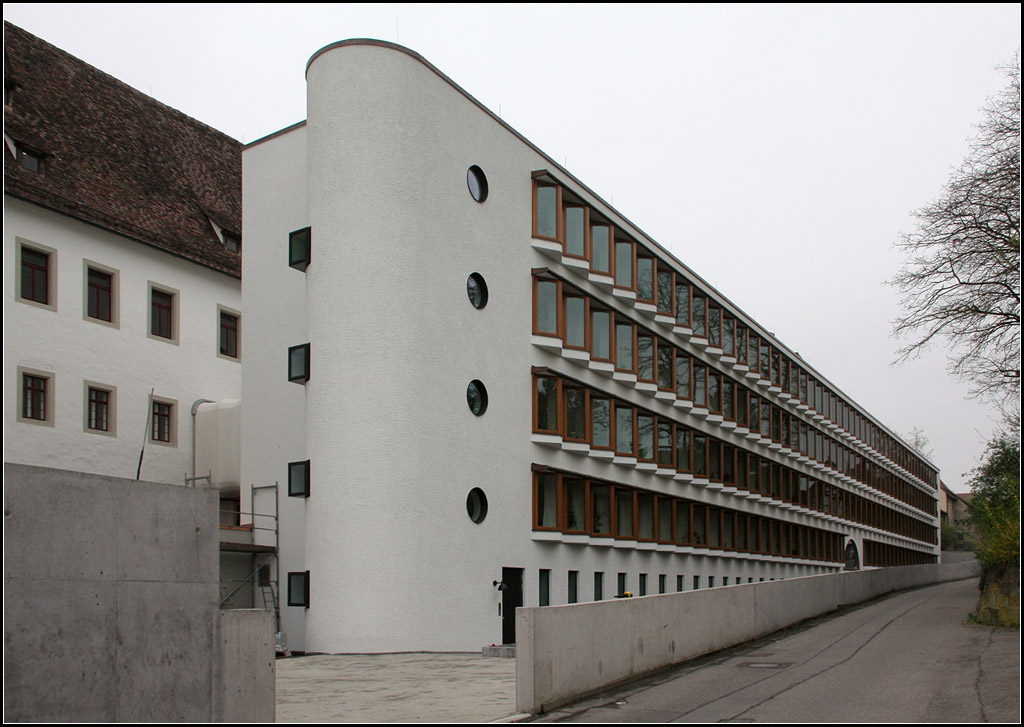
[114, 157]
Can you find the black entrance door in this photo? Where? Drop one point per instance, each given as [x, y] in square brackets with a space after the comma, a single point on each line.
[511, 599]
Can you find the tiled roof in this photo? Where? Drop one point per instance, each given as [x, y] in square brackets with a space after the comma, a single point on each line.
[117, 158]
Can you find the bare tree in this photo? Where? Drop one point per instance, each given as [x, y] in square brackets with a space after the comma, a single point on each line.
[961, 279]
[918, 442]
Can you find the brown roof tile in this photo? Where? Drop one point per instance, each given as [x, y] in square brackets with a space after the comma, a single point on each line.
[117, 158]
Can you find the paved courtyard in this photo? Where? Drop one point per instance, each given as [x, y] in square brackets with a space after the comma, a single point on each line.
[395, 688]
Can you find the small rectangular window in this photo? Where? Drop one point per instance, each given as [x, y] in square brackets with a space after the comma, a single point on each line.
[163, 425]
[544, 587]
[680, 584]
[30, 160]
[34, 397]
[299, 243]
[696, 583]
[229, 334]
[99, 409]
[643, 584]
[36, 281]
[574, 587]
[598, 586]
[163, 313]
[298, 479]
[298, 363]
[622, 585]
[662, 583]
[298, 589]
[547, 202]
[101, 290]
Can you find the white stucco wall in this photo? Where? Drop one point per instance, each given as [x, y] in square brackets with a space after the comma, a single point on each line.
[75, 349]
[379, 173]
[274, 298]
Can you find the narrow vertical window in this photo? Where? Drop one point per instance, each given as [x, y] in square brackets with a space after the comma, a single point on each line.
[576, 231]
[161, 314]
[35, 276]
[575, 505]
[714, 326]
[700, 316]
[642, 585]
[298, 589]
[645, 357]
[601, 507]
[298, 363]
[666, 360]
[33, 398]
[598, 585]
[665, 290]
[546, 292]
[100, 295]
[601, 423]
[624, 346]
[228, 335]
[299, 248]
[622, 585]
[662, 583]
[623, 430]
[544, 587]
[298, 479]
[547, 201]
[645, 279]
[547, 404]
[546, 501]
[624, 513]
[575, 322]
[99, 409]
[162, 425]
[575, 413]
[624, 264]
[683, 304]
[601, 333]
[574, 587]
[600, 246]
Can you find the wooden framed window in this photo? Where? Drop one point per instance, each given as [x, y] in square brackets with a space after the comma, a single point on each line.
[645, 278]
[753, 360]
[741, 344]
[577, 413]
[700, 385]
[684, 449]
[229, 333]
[547, 295]
[684, 388]
[35, 396]
[625, 346]
[683, 534]
[625, 429]
[665, 365]
[601, 508]
[625, 513]
[100, 409]
[164, 422]
[546, 404]
[682, 302]
[644, 356]
[577, 225]
[545, 501]
[666, 444]
[624, 265]
[601, 429]
[575, 505]
[100, 293]
[700, 324]
[665, 518]
[576, 312]
[36, 281]
[714, 325]
[602, 334]
[646, 437]
[666, 291]
[547, 206]
[645, 519]
[163, 313]
[601, 237]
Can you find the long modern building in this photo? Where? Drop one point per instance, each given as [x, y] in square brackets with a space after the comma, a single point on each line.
[486, 387]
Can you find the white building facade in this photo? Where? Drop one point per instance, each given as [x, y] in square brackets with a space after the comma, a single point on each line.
[122, 290]
[604, 422]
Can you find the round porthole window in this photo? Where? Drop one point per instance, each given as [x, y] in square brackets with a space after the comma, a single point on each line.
[476, 396]
[477, 290]
[477, 181]
[476, 505]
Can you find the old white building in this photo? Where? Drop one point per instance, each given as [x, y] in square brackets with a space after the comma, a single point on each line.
[484, 386]
[122, 291]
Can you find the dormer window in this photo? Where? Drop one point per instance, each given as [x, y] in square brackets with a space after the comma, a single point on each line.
[29, 159]
[232, 241]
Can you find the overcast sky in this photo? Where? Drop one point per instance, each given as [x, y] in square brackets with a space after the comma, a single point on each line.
[776, 150]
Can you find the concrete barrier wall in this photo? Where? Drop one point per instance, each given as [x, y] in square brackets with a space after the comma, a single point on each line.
[111, 591]
[565, 652]
[247, 665]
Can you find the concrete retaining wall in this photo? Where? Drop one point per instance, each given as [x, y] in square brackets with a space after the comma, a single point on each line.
[247, 665]
[565, 652]
[111, 603]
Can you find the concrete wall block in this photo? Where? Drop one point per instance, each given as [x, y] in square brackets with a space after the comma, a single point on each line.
[59, 650]
[165, 650]
[50, 513]
[247, 666]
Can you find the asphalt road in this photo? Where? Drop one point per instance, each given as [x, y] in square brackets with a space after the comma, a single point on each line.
[908, 657]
